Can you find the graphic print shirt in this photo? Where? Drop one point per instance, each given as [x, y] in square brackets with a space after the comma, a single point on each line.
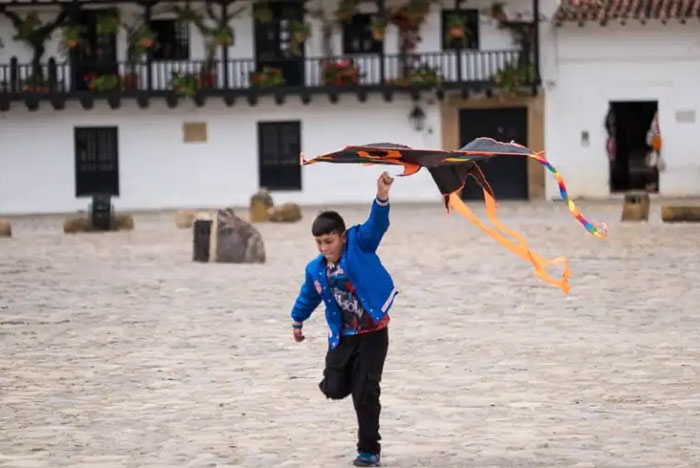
[355, 319]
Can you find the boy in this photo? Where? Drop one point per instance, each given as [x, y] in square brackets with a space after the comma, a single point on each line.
[358, 293]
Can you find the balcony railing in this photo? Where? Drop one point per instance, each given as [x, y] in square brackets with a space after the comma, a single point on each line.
[448, 69]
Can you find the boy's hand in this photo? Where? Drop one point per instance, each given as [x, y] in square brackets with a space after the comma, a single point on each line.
[298, 335]
[383, 185]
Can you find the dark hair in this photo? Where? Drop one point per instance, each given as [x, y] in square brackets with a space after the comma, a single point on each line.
[328, 222]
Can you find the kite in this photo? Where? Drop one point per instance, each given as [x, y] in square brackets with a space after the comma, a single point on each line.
[450, 170]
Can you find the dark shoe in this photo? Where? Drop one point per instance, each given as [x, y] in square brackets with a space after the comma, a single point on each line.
[366, 459]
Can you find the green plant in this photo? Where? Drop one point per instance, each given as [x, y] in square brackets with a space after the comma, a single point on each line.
[421, 76]
[35, 84]
[140, 38]
[101, 83]
[263, 13]
[34, 33]
[300, 32]
[267, 77]
[108, 23]
[456, 29]
[219, 35]
[71, 37]
[346, 10]
[223, 36]
[340, 72]
[184, 84]
[513, 78]
[378, 28]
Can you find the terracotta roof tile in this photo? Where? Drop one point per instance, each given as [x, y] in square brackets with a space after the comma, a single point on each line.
[603, 11]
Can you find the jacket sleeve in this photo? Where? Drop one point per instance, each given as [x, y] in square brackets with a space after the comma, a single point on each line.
[370, 233]
[307, 300]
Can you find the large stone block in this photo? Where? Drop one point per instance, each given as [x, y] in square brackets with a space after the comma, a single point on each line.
[82, 223]
[260, 203]
[5, 228]
[285, 213]
[184, 219]
[680, 213]
[636, 207]
[225, 238]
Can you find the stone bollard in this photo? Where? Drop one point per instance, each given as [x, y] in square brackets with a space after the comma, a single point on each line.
[5, 228]
[225, 238]
[260, 203]
[236, 241]
[201, 229]
[636, 207]
[184, 219]
[680, 213]
[122, 222]
[285, 213]
[82, 223]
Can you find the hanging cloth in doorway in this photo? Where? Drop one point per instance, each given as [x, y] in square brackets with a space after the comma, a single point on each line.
[611, 127]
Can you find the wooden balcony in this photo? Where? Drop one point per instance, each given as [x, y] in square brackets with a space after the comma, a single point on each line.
[464, 70]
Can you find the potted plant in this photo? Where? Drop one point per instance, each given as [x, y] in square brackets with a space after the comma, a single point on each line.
[207, 78]
[223, 36]
[421, 76]
[300, 32]
[140, 39]
[498, 11]
[512, 78]
[416, 11]
[346, 10]
[35, 84]
[184, 84]
[101, 83]
[108, 23]
[263, 13]
[456, 29]
[71, 37]
[378, 28]
[267, 77]
[340, 72]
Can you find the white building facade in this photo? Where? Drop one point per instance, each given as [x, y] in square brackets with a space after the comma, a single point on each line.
[155, 148]
[621, 63]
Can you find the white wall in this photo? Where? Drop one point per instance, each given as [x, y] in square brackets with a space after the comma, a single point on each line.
[584, 68]
[157, 170]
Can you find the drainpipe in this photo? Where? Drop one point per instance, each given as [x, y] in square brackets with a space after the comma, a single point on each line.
[536, 21]
[224, 49]
[149, 57]
[381, 7]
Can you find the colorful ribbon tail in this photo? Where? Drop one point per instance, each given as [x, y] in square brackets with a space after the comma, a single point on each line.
[599, 230]
[520, 247]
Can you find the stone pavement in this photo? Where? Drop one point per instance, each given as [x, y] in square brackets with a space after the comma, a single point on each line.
[116, 350]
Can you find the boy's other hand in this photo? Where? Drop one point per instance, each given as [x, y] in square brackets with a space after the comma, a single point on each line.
[298, 335]
[383, 185]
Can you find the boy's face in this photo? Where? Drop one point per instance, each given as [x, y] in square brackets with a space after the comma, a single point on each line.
[331, 245]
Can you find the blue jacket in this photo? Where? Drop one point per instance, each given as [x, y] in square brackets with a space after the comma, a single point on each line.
[373, 284]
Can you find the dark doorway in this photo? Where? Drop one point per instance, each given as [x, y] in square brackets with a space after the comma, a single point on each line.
[279, 146]
[98, 53]
[506, 175]
[96, 161]
[273, 40]
[628, 167]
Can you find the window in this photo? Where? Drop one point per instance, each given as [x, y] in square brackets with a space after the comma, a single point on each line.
[279, 146]
[273, 47]
[470, 20]
[96, 161]
[172, 40]
[357, 36]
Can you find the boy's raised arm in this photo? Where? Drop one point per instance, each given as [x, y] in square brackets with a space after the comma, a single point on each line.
[370, 233]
